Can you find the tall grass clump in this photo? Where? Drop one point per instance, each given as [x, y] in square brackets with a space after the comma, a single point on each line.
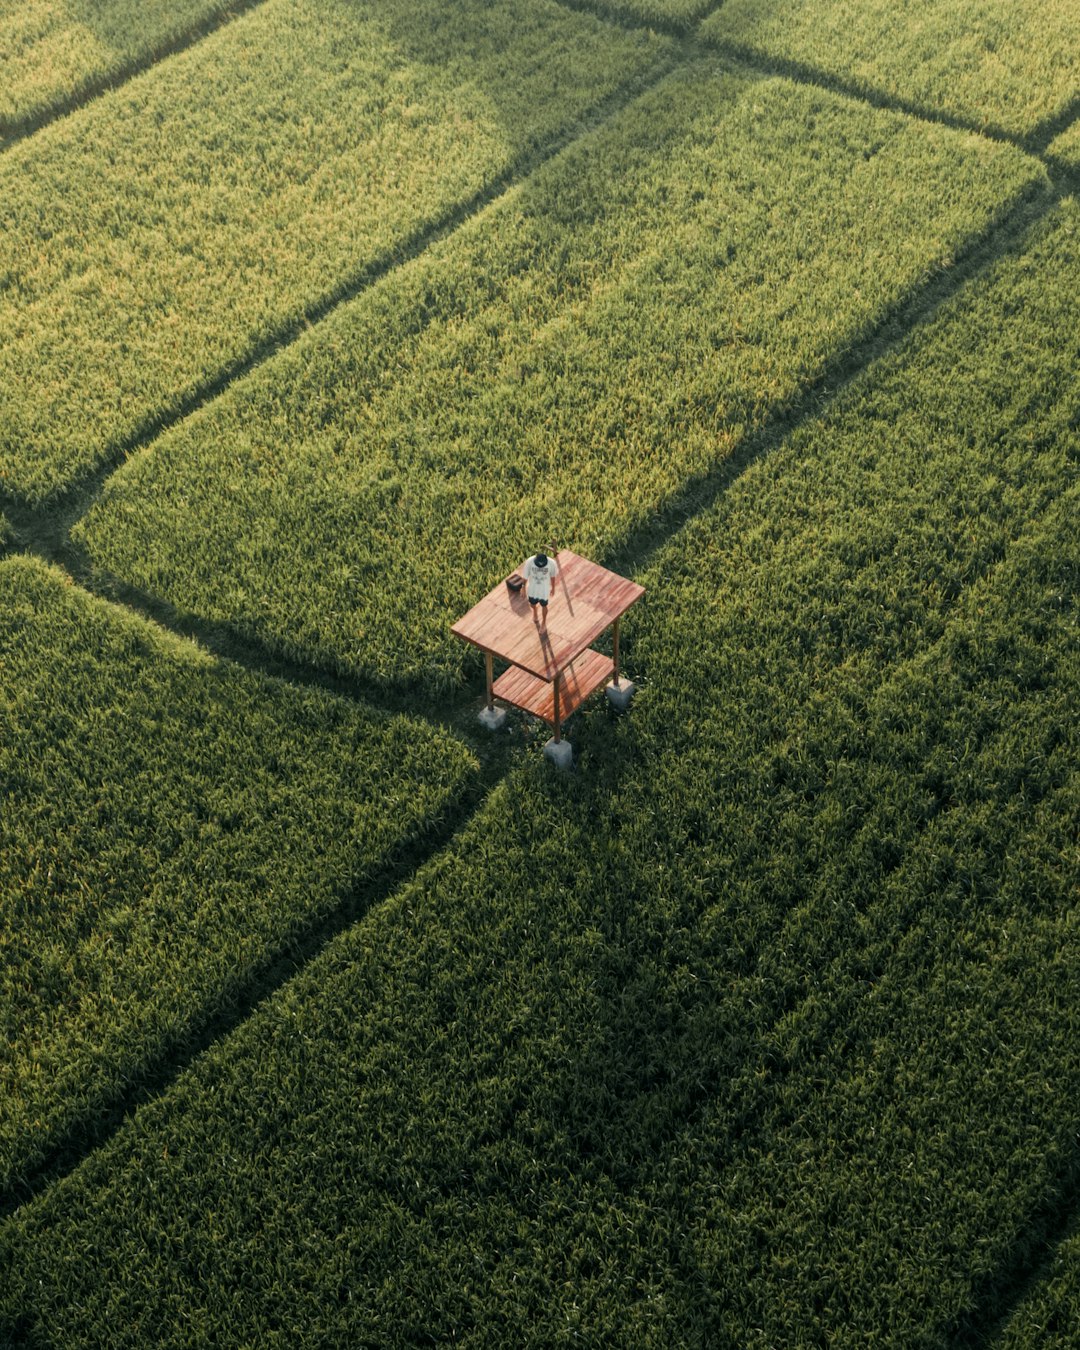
[51, 55]
[571, 361]
[993, 65]
[758, 1029]
[176, 228]
[170, 825]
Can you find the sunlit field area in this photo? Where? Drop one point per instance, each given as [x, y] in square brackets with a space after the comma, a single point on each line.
[332, 1017]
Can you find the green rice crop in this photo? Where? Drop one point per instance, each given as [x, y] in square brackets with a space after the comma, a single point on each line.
[993, 64]
[758, 1030]
[161, 236]
[170, 823]
[567, 363]
[1065, 149]
[1050, 1312]
[680, 15]
[54, 54]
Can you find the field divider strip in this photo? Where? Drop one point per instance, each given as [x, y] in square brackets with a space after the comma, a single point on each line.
[800, 73]
[85, 1137]
[96, 85]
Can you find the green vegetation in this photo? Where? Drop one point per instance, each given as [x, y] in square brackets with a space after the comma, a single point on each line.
[993, 64]
[677, 15]
[572, 359]
[1050, 1314]
[1065, 149]
[170, 824]
[760, 1028]
[52, 54]
[158, 238]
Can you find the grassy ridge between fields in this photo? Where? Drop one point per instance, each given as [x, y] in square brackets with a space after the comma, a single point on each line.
[169, 824]
[567, 363]
[53, 54]
[761, 1027]
[995, 65]
[162, 235]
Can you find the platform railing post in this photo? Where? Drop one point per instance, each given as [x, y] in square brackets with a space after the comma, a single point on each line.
[558, 730]
[616, 653]
[490, 673]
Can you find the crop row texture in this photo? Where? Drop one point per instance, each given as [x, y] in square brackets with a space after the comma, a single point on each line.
[51, 55]
[996, 66]
[760, 1029]
[569, 363]
[171, 823]
[165, 234]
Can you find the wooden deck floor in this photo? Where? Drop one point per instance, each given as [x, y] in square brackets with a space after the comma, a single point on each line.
[582, 677]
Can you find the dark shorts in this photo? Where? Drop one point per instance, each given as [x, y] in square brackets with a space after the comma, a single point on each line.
[533, 600]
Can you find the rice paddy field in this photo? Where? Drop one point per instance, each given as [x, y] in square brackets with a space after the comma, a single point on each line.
[331, 1018]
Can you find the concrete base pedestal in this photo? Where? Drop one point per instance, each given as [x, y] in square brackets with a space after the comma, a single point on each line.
[493, 718]
[620, 694]
[560, 753]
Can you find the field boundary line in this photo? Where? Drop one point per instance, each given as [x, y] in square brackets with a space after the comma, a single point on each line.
[801, 73]
[96, 85]
[85, 1137]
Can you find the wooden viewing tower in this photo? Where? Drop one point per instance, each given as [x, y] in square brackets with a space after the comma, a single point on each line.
[552, 669]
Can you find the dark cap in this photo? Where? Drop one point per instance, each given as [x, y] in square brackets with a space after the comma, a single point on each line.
[540, 559]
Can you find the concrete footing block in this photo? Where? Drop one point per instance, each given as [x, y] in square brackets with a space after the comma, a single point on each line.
[560, 753]
[619, 695]
[493, 718]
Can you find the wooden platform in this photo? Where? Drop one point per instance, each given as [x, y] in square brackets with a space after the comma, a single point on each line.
[586, 599]
[583, 676]
[552, 670]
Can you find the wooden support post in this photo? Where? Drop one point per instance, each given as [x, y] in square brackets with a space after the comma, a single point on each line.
[558, 731]
[490, 672]
[616, 653]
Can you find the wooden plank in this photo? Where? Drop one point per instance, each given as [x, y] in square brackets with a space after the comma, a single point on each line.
[582, 677]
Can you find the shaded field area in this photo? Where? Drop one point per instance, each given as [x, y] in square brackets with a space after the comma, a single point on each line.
[580, 353]
[187, 222]
[171, 824]
[760, 1028]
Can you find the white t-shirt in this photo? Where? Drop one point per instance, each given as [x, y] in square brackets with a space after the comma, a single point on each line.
[538, 579]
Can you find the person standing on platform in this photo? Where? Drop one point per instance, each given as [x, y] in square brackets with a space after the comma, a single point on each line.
[539, 572]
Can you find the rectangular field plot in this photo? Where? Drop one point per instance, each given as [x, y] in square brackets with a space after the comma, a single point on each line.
[164, 234]
[567, 363]
[170, 823]
[760, 1025]
[54, 53]
[990, 64]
